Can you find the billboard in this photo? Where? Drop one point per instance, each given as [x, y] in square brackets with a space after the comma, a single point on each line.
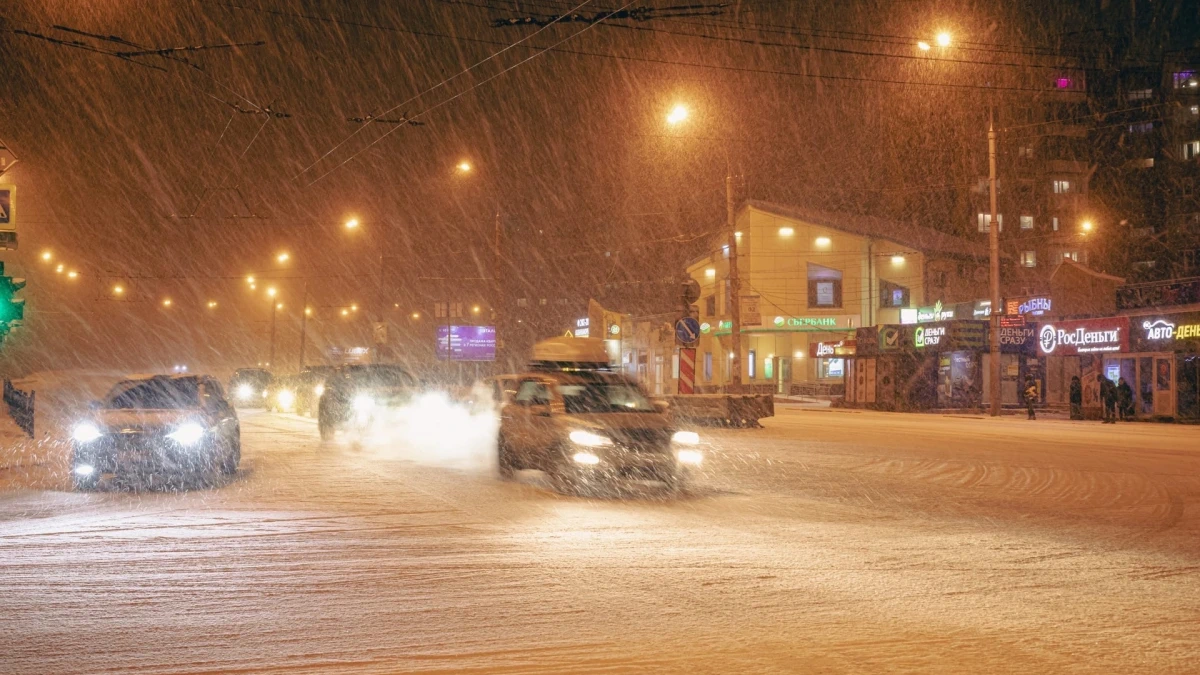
[466, 343]
[1084, 336]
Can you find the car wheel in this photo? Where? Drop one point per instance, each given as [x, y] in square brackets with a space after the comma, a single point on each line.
[505, 460]
[233, 457]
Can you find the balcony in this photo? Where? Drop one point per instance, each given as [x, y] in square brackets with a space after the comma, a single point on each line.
[1066, 166]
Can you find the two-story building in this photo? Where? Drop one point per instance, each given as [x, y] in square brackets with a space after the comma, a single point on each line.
[809, 279]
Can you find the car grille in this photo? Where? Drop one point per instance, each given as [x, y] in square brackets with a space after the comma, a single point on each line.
[642, 440]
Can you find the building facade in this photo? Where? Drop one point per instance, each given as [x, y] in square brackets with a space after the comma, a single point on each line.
[808, 281]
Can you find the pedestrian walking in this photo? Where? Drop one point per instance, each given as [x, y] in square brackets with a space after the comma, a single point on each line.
[1124, 401]
[1031, 397]
[1108, 399]
[1076, 398]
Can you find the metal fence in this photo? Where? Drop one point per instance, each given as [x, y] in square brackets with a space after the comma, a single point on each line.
[20, 406]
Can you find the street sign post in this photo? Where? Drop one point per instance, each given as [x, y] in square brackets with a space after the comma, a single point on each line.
[8, 197]
[687, 371]
[687, 331]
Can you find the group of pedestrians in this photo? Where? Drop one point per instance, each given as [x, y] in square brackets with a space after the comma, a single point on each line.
[1116, 399]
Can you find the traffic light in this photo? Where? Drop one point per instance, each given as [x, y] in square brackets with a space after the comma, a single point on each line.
[12, 310]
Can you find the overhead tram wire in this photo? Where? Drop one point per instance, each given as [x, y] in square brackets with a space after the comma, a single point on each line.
[463, 93]
[637, 59]
[417, 96]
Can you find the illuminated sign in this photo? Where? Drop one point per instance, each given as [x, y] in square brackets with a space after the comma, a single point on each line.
[981, 309]
[1159, 330]
[1035, 306]
[929, 336]
[908, 315]
[582, 328]
[705, 327]
[795, 323]
[824, 350]
[934, 313]
[1084, 337]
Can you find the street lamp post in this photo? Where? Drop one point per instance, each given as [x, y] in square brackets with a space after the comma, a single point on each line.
[271, 292]
[994, 274]
[678, 115]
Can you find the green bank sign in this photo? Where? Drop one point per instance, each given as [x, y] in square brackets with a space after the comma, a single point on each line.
[790, 323]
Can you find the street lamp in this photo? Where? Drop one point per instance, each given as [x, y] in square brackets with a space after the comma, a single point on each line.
[677, 115]
[250, 279]
[118, 290]
[166, 302]
[352, 223]
[271, 292]
[1087, 226]
[463, 167]
[72, 274]
[212, 304]
[282, 257]
[923, 45]
[47, 255]
[943, 39]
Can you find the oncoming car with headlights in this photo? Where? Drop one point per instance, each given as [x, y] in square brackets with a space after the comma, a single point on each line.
[157, 426]
[249, 386]
[584, 425]
[355, 396]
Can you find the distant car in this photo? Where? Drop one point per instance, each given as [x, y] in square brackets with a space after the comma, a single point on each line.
[248, 387]
[310, 386]
[281, 394]
[157, 425]
[584, 425]
[355, 395]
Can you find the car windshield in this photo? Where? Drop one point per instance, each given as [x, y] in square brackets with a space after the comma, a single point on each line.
[258, 377]
[156, 394]
[603, 397]
[380, 376]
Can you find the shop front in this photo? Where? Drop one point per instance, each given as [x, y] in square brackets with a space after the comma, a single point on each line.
[1084, 348]
[1163, 365]
[916, 367]
[776, 352]
[1018, 362]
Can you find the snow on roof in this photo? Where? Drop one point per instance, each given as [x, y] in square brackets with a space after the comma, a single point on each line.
[924, 239]
[571, 350]
[1071, 264]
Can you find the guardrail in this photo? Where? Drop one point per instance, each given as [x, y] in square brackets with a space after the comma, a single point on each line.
[721, 409]
[20, 406]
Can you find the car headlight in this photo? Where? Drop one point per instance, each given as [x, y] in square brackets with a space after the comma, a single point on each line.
[245, 391]
[85, 432]
[686, 438]
[318, 390]
[286, 398]
[188, 433]
[589, 440]
[265, 393]
[693, 457]
[585, 458]
[363, 403]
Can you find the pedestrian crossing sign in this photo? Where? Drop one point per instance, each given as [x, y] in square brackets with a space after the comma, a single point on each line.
[7, 193]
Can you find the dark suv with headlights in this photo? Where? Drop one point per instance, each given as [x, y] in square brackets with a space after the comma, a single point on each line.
[588, 427]
[355, 396]
[157, 426]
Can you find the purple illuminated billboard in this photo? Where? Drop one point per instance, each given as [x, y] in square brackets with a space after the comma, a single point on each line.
[466, 343]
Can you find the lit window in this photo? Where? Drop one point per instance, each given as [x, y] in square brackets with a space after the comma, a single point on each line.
[439, 310]
[786, 232]
[751, 371]
[1195, 110]
[985, 221]
[1063, 83]
[710, 273]
[822, 241]
[1062, 187]
[1026, 222]
[1029, 258]
[522, 302]
[1140, 94]
[708, 366]
[1191, 149]
[541, 301]
[1183, 79]
[1025, 152]
[1141, 128]
[1054, 221]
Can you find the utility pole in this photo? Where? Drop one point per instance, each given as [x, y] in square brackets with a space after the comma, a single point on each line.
[303, 323]
[994, 255]
[735, 287]
[271, 357]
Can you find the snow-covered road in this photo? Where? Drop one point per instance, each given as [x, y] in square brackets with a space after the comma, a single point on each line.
[830, 541]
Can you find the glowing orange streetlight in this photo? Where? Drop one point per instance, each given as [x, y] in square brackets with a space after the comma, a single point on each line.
[678, 114]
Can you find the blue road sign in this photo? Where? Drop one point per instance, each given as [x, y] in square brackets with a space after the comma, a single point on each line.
[687, 330]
